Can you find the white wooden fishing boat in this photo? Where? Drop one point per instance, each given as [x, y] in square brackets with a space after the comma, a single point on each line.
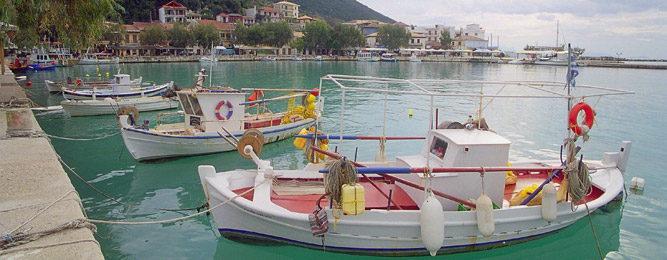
[117, 91]
[414, 58]
[367, 56]
[388, 212]
[388, 57]
[110, 106]
[268, 58]
[210, 111]
[98, 59]
[83, 83]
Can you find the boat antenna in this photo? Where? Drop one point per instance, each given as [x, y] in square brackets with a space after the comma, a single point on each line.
[210, 71]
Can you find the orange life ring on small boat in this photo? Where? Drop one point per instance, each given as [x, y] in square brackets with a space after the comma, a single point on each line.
[230, 109]
[574, 113]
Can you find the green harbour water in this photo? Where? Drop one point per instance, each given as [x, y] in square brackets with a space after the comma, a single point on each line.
[633, 229]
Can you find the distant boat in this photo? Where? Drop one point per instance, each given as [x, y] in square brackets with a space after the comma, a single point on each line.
[296, 58]
[83, 83]
[66, 60]
[319, 58]
[42, 67]
[17, 66]
[109, 106]
[98, 59]
[520, 61]
[41, 61]
[367, 57]
[268, 58]
[388, 57]
[120, 91]
[413, 58]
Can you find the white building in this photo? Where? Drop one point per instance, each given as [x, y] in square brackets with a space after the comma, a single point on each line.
[433, 33]
[172, 12]
[467, 42]
[287, 9]
[473, 30]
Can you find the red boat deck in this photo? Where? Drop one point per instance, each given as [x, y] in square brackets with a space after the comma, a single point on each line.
[375, 200]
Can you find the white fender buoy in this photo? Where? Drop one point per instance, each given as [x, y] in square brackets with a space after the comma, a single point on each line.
[549, 202]
[484, 212]
[637, 183]
[432, 224]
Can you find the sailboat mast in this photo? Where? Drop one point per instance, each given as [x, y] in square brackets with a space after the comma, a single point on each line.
[556, 34]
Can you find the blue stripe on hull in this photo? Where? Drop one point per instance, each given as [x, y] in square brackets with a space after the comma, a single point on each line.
[235, 233]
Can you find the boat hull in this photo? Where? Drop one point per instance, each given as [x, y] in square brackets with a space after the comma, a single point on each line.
[378, 231]
[109, 106]
[56, 87]
[101, 94]
[147, 145]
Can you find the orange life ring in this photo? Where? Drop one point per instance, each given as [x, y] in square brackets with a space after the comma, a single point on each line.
[574, 113]
[230, 109]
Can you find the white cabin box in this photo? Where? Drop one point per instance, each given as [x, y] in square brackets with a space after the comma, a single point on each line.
[460, 148]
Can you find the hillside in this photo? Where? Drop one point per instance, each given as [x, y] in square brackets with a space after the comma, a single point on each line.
[339, 10]
[329, 10]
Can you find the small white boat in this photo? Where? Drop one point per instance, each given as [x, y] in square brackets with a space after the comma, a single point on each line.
[207, 59]
[367, 56]
[98, 59]
[65, 60]
[268, 58]
[319, 58]
[388, 57]
[109, 106]
[296, 58]
[413, 58]
[387, 212]
[521, 61]
[208, 111]
[117, 91]
[83, 83]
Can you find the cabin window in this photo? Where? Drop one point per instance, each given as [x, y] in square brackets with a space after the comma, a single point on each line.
[194, 102]
[185, 104]
[439, 147]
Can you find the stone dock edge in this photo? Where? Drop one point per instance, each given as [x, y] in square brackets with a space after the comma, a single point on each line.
[36, 193]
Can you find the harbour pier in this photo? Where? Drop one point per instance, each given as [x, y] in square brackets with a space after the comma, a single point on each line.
[41, 216]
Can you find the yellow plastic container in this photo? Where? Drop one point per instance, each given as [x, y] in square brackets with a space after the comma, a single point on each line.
[324, 147]
[301, 142]
[353, 199]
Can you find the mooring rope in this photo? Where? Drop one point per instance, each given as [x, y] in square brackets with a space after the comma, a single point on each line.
[24, 238]
[181, 218]
[83, 139]
[341, 171]
[9, 251]
[577, 175]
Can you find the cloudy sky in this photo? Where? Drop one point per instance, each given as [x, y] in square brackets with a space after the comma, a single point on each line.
[637, 29]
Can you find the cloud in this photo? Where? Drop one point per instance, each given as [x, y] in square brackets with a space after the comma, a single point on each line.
[598, 25]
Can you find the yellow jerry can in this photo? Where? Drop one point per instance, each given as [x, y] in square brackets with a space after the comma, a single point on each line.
[301, 142]
[353, 199]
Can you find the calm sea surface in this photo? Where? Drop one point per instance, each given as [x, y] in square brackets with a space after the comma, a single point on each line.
[634, 229]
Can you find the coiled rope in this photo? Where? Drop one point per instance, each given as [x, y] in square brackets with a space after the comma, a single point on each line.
[341, 171]
[577, 175]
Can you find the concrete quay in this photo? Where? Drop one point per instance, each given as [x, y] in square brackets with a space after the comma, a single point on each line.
[35, 192]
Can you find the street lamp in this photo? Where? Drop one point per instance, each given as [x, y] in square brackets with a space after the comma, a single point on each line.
[618, 54]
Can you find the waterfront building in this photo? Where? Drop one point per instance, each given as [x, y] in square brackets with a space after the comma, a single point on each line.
[225, 30]
[287, 9]
[473, 30]
[467, 42]
[417, 41]
[172, 12]
[130, 45]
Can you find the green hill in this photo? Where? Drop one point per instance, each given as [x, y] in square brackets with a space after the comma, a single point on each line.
[329, 10]
[339, 10]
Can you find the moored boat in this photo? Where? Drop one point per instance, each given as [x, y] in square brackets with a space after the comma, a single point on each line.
[367, 56]
[455, 194]
[208, 111]
[98, 59]
[388, 57]
[84, 84]
[117, 91]
[110, 106]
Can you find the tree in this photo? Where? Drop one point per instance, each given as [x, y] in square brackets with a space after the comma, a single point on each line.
[257, 34]
[206, 35]
[114, 33]
[445, 39]
[279, 34]
[345, 36]
[153, 35]
[179, 36]
[316, 35]
[240, 33]
[298, 44]
[576, 51]
[393, 36]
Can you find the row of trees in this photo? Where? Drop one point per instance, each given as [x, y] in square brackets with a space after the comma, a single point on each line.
[179, 36]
